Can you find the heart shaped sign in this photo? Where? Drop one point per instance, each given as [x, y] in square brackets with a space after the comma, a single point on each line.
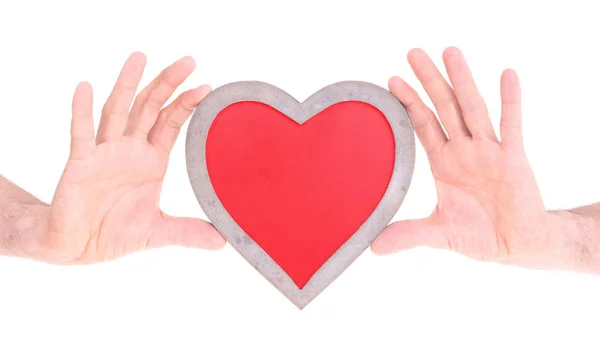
[300, 190]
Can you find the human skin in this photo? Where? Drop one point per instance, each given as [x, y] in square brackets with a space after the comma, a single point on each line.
[489, 206]
[106, 204]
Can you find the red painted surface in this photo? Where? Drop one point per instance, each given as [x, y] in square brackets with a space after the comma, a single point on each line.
[300, 191]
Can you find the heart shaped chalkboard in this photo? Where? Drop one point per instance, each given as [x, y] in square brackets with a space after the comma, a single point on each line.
[300, 190]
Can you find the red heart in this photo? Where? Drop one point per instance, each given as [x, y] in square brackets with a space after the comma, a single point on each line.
[300, 191]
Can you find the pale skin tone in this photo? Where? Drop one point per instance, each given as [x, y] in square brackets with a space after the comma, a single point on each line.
[107, 201]
[489, 207]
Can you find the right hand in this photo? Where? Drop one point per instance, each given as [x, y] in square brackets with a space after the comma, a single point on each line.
[107, 201]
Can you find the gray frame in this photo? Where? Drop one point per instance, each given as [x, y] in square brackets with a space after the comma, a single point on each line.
[265, 93]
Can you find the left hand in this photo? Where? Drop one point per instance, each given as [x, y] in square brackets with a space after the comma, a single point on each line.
[489, 205]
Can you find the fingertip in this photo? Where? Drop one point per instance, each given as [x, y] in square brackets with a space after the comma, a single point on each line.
[211, 238]
[451, 51]
[414, 53]
[400, 89]
[83, 93]
[204, 90]
[187, 61]
[510, 86]
[376, 250]
[196, 95]
[216, 241]
[417, 57]
[83, 85]
[394, 81]
[380, 251]
[219, 244]
[138, 56]
[383, 244]
[136, 61]
[510, 75]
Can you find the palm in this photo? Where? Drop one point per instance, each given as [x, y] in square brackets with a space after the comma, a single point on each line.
[488, 201]
[123, 179]
[107, 202]
[469, 191]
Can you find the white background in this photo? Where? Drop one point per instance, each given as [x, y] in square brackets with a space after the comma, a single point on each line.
[182, 297]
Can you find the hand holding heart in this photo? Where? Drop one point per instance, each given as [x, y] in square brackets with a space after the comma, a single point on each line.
[107, 202]
[489, 206]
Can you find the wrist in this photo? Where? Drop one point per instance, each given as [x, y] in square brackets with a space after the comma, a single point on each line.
[20, 225]
[578, 233]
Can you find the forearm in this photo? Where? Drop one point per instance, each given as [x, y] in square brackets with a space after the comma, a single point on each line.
[580, 230]
[20, 215]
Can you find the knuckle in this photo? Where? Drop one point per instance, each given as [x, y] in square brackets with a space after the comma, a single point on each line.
[125, 87]
[509, 123]
[187, 106]
[109, 111]
[172, 122]
[419, 116]
[153, 104]
[471, 109]
[167, 79]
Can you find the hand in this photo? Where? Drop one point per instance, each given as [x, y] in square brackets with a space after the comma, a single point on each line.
[107, 202]
[489, 206]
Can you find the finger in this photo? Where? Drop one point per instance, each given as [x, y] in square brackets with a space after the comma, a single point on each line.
[472, 105]
[439, 92]
[171, 118]
[116, 110]
[426, 125]
[185, 232]
[82, 122]
[409, 234]
[511, 130]
[147, 105]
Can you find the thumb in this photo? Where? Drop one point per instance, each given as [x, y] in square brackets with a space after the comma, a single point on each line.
[408, 234]
[186, 232]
